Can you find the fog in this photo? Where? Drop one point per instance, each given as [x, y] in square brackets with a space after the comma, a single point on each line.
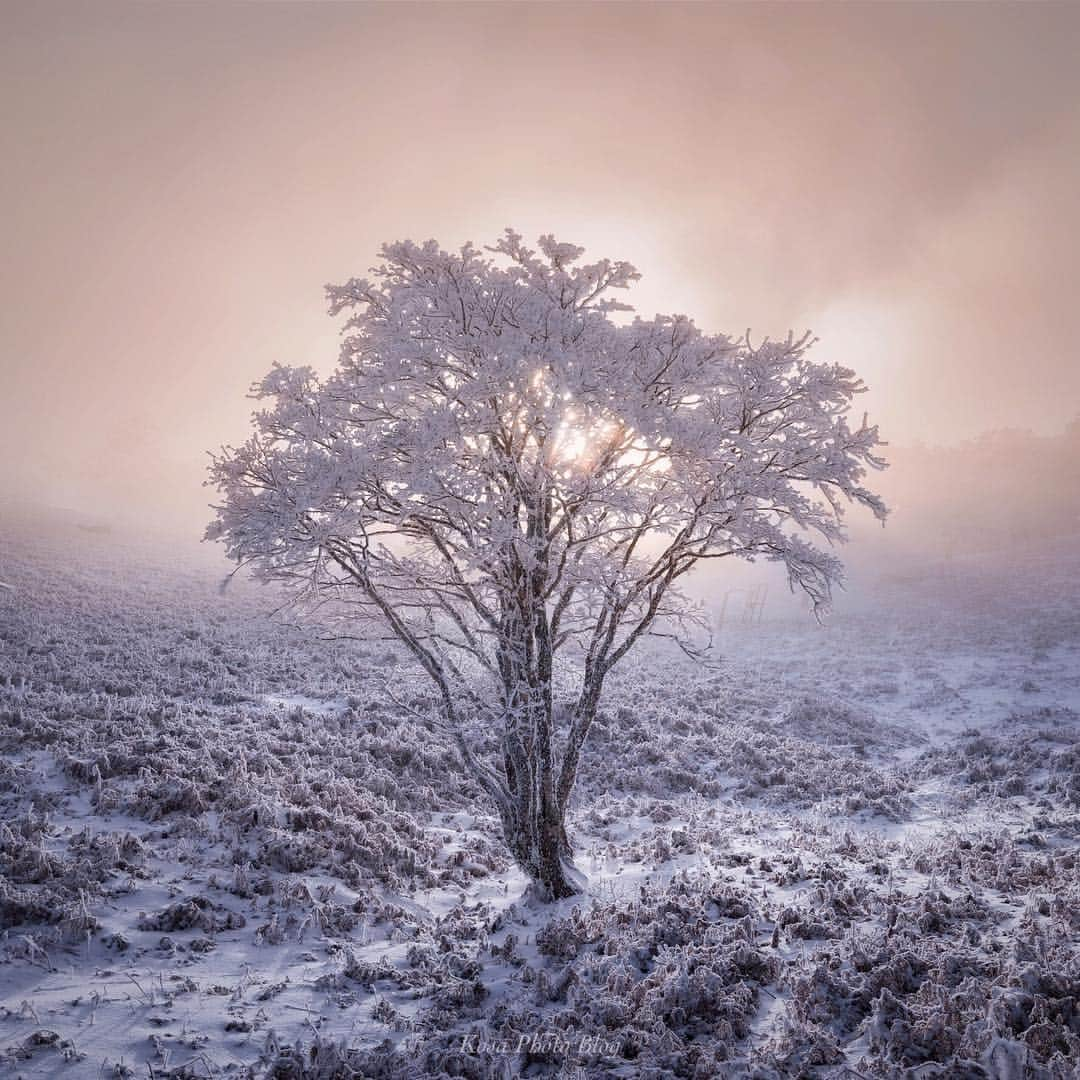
[181, 180]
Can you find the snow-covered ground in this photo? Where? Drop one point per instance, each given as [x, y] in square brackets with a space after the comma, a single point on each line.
[229, 850]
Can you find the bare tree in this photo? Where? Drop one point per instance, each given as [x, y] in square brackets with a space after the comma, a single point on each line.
[513, 483]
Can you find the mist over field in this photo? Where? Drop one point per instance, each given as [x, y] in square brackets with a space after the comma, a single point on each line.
[1002, 498]
[506, 769]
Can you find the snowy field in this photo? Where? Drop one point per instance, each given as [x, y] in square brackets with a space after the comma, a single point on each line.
[226, 850]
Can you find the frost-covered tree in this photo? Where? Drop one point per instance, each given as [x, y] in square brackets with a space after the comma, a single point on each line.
[514, 484]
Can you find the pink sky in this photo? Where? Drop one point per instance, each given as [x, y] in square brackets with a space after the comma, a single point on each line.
[180, 181]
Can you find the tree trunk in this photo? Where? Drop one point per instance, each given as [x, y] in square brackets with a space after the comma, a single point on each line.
[536, 835]
[533, 813]
[534, 824]
[557, 877]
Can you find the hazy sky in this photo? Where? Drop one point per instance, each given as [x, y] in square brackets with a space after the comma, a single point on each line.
[180, 181]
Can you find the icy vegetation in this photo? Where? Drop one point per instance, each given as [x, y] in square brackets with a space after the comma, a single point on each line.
[229, 850]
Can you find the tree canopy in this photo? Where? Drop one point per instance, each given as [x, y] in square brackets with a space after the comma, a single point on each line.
[512, 478]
